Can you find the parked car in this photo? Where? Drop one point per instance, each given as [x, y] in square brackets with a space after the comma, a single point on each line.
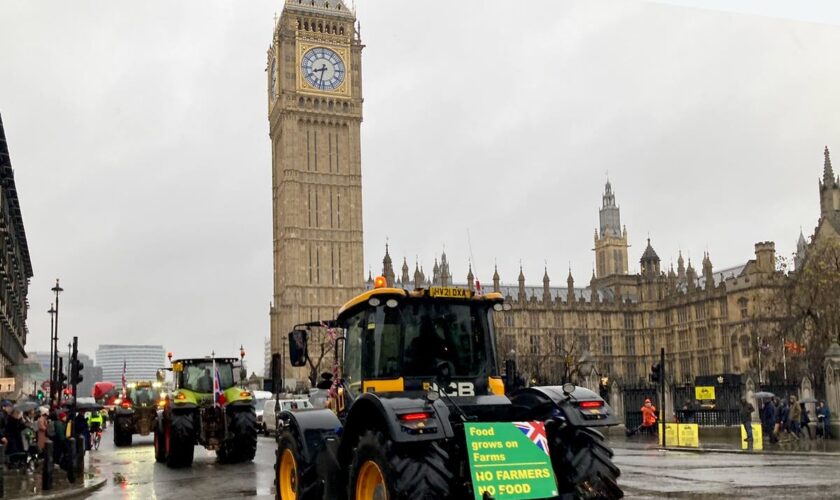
[269, 419]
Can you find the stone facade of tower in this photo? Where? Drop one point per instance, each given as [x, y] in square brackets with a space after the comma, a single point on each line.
[610, 238]
[314, 101]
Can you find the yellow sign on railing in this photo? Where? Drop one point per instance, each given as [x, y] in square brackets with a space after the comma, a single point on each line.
[704, 393]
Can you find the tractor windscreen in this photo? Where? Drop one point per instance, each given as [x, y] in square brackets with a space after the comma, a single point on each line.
[143, 395]
[198, 377]
[413, 338]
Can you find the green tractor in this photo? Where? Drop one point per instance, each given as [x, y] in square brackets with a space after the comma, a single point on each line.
[208, 408]
[136, 411]
[419, 411]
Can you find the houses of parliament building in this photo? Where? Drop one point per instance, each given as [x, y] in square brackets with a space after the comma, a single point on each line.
[710, 321]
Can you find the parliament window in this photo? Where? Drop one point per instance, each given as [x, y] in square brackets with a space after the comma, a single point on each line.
[583, 341]
[535, 344]
[685, 368]
[702, 337]
[684, 341]
[606, 345]
[558, 344]
[743, 304]
[630, 371]
[630, 345]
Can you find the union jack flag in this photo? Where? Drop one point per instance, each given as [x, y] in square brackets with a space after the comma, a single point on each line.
[123, 378]
[535, 431]
[218, 396]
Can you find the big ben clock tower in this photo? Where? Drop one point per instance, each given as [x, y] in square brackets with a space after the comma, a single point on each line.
[314, 85]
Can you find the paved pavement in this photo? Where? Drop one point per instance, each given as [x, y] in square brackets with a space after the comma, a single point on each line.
[678, 474]
[647, 472]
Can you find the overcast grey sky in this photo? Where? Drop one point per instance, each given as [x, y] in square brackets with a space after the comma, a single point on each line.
[139, 138]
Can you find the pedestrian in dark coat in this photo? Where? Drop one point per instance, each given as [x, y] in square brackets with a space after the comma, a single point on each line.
[746, 418]
[767, 414]
[824, 420]
[805, 420]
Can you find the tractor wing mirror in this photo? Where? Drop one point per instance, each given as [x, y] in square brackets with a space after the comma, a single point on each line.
[161, 375]
[277, 372]
[298, 349]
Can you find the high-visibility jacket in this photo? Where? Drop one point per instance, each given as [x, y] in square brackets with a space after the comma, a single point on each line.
[648, 415]
[95, 417]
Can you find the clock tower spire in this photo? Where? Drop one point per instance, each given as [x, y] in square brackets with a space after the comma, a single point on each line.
[314, 103]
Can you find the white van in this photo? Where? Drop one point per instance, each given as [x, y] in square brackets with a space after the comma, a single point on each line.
[269, 420]
[260, 397]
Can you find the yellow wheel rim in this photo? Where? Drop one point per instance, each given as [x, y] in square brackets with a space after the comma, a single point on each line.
[370, 485]
[287, 480]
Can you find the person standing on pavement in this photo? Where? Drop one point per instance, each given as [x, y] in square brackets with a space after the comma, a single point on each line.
[767, 413]
[59, 428]
[805, 420]
[746, 418]
[648, 419]
[782, 419]
[795, 417]
[824, 420]
[43, 424]
[5, 410]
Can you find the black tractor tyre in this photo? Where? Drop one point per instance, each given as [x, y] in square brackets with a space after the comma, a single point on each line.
[121, 438]
[583, 464]
[242, 447]
[305, 481]
[160, 444]
[181, 441]
[411, 472]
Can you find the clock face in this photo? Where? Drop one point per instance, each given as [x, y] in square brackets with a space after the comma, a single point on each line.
[322, 68]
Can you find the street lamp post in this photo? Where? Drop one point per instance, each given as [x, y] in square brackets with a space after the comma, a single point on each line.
[57, 290]
[52, 352]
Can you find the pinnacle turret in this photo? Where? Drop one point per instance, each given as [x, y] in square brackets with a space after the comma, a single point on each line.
[828, 172]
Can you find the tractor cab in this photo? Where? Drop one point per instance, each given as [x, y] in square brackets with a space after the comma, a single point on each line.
[197, 375]
[396, 341]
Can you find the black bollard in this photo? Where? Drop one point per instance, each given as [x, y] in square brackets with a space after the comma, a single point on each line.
[80, 456]
[47, 470]
[71, 459]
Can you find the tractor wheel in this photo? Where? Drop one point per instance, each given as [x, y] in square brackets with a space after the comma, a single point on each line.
[160, 444]
[381, 469]
[121, 438]
[294, 479]
[242, 447]
[181, 441]
[583, 464]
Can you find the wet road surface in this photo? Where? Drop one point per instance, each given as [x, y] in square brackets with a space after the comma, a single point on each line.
[132, 473]
[646, 473]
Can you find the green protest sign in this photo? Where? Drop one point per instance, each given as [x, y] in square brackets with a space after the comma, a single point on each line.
[509, 460]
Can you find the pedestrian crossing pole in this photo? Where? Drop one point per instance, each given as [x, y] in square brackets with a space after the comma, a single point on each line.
[662, 392]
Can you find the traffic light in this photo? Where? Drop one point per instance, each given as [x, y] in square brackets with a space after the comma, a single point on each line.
[76, 372]
[62, 379]
[656, 373]
[40, 395]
